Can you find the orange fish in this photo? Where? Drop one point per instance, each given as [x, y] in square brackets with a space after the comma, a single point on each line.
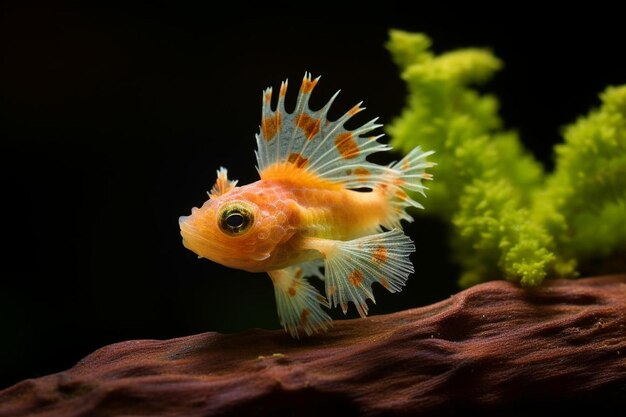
[319, 203]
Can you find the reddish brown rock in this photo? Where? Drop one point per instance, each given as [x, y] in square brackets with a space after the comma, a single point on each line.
[494, 348]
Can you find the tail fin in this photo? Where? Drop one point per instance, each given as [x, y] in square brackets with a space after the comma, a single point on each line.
[409, 172]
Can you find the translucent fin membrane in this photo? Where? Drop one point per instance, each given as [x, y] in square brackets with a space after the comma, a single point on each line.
[309, 140]
[298, 303]
[353, 266]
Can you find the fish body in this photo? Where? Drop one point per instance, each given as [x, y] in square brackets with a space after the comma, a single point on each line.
[309, 210]
[285, 212]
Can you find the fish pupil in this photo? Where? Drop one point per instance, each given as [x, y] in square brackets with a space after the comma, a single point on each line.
[235, 220]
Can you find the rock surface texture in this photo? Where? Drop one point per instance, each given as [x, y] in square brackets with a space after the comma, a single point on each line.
[494, 348]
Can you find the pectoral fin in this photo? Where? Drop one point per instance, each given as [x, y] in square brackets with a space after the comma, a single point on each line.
[353, 266]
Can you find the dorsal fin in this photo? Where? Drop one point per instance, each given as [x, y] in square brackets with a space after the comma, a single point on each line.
[222, 184]
[306, 139]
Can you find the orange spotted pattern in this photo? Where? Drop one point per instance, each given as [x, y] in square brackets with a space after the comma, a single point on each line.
[354, 110]
[291, 291]
[401, 194]
[304, 317]
[308, 85]
[283, 90]
[331, 290]
[270, 125]
[309, 125]
[380, 255]
[398, 181]
[356, 278]
[299, 161]
[383, 281]
[362, 173]
[346, 145]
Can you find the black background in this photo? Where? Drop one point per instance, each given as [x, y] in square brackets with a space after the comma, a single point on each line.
[114, 120]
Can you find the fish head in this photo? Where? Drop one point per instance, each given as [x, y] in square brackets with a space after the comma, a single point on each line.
[241, 229]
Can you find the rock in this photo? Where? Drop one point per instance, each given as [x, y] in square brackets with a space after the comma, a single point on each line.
[494, 348]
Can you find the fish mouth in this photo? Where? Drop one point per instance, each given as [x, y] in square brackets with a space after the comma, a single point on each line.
[192, 238]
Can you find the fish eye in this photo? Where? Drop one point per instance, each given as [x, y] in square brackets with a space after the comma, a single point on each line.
[235, 218]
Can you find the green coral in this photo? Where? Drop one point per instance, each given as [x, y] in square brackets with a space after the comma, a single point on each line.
[508, 218]
[583, 201]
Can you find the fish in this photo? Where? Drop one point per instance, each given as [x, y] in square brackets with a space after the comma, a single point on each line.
[319, 203]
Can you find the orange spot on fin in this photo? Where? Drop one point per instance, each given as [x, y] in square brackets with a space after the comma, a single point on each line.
[304, 317]
[297, 160]
[380, 255]
[362, 173]
[332, 290]
[270, 125]
[309, 125]
[308, 85]
[346, 145]
[401, 194]
[356, 278]
[356, 109]
[383, 281]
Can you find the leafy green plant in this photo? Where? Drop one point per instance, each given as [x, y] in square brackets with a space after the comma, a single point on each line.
[507, 217]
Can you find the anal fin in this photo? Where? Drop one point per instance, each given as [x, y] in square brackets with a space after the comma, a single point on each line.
[351, 267]
[299, 304]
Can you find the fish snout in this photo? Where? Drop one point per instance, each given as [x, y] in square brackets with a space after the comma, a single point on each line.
[197, 237]
[190, 219]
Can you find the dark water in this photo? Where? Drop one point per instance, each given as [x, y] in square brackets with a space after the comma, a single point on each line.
[114, 120]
